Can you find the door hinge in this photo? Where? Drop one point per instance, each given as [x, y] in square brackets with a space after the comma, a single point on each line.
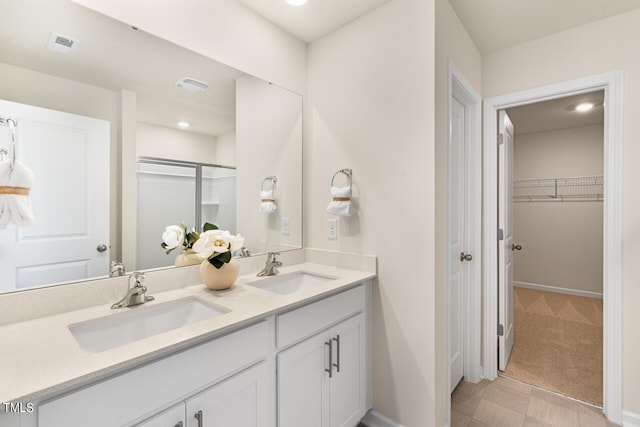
[500, 138]
[500, 330]
[500, 234]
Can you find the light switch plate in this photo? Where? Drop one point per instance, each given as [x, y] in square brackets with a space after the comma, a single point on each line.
[285, 223]
[332, 229]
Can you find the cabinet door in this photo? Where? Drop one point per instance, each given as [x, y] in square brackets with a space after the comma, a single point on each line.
[348, 382]
[240, 401]
[303, 387]
[173, 417]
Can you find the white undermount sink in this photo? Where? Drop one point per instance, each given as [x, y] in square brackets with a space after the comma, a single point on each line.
[289, 283]
[140, 322]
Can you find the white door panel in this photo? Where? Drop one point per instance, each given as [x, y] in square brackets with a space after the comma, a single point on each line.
[69, 155]
[505, 253]
[457, 268]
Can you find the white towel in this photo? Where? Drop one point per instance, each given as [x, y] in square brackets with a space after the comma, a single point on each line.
[267, 202]
[15, 204]
[338, 206]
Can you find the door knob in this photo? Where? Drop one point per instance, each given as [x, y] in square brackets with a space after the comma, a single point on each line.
[516, 247]
[101, 248]
[465, 257]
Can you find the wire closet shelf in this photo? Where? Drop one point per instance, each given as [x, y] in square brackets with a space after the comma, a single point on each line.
[574, 188]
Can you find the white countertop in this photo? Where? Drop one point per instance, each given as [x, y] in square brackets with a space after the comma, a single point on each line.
[40, 358]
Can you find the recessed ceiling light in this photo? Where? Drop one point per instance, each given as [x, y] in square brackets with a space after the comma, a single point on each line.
[296, 2]
[183, 124]
[583, 107]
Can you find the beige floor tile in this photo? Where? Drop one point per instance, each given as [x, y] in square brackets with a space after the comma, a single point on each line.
[553, 413]
[466, 396]
[502, 393]
[591, 417]
[476, 423]
[496, 415]
[459, 420]
[514, 385]
[534, 422]
[556, 399]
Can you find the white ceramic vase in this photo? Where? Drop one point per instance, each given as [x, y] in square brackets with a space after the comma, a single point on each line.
[218, 279]
[188, 257]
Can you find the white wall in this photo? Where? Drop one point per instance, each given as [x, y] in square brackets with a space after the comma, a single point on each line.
[268, 143]
[562, 241]
[224, 30]
[168, 143]
[370, 108]
[226, 149]
[43, 90]
[603, 46]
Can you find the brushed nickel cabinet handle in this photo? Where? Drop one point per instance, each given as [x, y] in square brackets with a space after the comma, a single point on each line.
[198, 416]
[337, 340]
[330, 370]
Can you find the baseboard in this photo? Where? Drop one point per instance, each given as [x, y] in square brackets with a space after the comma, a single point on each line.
[629, 419]
[558, 290]
[376, 419]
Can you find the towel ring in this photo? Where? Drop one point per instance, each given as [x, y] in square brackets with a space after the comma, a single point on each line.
[272, 179]
[346, 172]
[11, 123]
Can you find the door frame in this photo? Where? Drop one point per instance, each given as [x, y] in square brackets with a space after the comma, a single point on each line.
[460, 89]
[611, 83]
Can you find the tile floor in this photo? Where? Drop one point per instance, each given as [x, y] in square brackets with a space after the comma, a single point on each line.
[508, 403]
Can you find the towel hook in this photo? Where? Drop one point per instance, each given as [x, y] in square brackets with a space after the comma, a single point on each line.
[272, 179]
[11, 123]
[346, 172]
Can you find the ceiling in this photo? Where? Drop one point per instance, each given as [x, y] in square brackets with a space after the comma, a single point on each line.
[557, 114]
[496, 24]
[313, 19]
[112, 55]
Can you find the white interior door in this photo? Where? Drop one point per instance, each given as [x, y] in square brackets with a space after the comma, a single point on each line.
[456, 232]
[505, 233]
[69, 156]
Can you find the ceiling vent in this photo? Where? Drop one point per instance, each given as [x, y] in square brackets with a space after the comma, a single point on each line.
[62, 44]
[192, 85]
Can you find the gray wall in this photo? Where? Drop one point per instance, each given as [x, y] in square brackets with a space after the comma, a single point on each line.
[562, 241]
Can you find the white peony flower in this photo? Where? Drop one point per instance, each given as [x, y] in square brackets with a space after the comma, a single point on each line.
[213, 242]
[173, 236]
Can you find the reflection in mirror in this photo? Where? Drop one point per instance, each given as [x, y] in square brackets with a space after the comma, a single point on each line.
[75, 133]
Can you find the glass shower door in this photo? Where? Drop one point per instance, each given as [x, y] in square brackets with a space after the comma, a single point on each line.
[166, 196]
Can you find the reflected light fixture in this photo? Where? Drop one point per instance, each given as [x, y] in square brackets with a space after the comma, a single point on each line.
[583, 107]
[183, 125]
[296, 2]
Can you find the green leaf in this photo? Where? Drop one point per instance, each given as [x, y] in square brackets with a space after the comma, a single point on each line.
[208, 226]
[216, 262]
[224, 257]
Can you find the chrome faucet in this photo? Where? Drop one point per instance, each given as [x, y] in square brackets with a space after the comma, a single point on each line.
[271, 267]
[116, 269]
[243, 252]
[136, 294]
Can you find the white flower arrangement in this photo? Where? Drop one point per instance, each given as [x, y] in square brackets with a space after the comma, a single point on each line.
[213, 244]
[217, 245]
[176, 235]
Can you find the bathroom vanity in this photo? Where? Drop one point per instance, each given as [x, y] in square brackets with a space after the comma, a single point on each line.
[286, 350]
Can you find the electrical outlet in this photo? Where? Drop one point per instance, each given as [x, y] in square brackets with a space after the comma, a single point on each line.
[285, 225]
[332, 229]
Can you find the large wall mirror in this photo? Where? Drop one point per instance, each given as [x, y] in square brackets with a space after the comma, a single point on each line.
[98, 105]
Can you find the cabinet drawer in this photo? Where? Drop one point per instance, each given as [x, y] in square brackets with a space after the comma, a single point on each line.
[128, 397]
[305, 321]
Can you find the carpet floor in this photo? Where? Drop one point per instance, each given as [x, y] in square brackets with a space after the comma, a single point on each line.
[558, 343]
